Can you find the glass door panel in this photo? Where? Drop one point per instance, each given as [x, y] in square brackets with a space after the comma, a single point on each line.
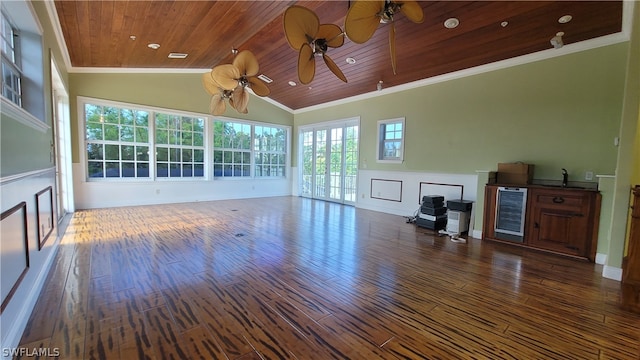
[320, 165]
[351, 164]
[306, 181]
[336, 165]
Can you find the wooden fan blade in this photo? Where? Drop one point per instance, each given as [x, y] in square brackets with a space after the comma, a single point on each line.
[246, 63]
[300, 26]
[413, 11]
[362, 20]
[334, 68]
[332, 33]
[392, 46]
[240, 100]
[217, 105]
[226, 76]
[306, 64]
[259, 87]
[209, 84]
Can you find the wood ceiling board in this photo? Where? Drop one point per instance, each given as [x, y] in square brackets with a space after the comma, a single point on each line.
[208, 30]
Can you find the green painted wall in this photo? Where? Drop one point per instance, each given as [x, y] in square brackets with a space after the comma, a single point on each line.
[23, 148]
[626, 159]
[178, 91]
[554, 113]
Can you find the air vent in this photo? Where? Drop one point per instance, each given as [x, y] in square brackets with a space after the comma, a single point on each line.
[265, 78]
[177, 55]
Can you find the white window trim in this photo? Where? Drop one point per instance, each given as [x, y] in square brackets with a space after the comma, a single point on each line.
[23, 116]
[380, 139]
[23, 13]
[208, 155]
[82, 140]
[253, 123]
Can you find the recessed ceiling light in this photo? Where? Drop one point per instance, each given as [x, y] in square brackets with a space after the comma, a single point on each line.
[504, 23]
[132, 37]
[451, 23]
[565, 19]
[292, 83]
[350, 60]
[154, 46]
[177, 55]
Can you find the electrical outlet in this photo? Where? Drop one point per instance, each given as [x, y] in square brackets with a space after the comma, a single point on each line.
[588, 175]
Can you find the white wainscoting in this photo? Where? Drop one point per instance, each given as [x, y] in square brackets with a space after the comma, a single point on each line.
[103, 194]
[411, 185]
[16, 189]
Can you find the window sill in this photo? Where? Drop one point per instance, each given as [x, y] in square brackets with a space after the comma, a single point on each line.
[389, 161]
[22, 116]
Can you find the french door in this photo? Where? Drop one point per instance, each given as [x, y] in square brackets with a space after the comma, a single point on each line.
[329, 162]
[62, 145]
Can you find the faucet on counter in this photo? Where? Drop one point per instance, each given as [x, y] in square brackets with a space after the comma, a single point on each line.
[564, 177]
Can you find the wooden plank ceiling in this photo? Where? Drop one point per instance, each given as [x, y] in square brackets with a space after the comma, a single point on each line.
[97, 34]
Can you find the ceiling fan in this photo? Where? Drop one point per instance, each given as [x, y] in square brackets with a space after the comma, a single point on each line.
[230, 82]
[364, 16]
[306, 35]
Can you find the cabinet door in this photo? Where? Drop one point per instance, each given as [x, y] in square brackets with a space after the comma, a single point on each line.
[559, 230]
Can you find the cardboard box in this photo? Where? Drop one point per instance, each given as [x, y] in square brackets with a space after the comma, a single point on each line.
[514, 173]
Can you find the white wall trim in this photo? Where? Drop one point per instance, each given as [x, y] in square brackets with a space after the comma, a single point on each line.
[477, 234]
[16, 177]
[23, 116]
[611, 272]
[601, 258]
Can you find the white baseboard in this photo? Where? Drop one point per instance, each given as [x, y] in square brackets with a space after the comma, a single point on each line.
[601, 258]
[613, 273]
[477, 234]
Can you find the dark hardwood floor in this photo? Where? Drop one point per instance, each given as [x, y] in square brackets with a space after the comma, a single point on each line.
[293, 278]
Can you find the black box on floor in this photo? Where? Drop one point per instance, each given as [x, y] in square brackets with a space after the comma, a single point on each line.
[435, 211]
[432, 225]
[433, 200]
[459, 205]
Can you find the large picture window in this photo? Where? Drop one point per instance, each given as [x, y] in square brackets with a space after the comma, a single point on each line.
[179, 146]
[126, 141]
[234, 155]
[117, 142]
[270, 148]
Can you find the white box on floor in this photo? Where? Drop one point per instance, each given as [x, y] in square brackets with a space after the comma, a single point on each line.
[457, 221]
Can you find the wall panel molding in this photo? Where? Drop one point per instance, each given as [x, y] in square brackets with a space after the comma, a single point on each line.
[14, 240]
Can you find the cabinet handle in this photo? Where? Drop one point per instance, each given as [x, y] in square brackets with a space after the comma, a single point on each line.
[558, 199]
[536, 225]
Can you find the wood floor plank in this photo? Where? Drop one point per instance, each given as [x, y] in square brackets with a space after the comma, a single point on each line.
[295, 278]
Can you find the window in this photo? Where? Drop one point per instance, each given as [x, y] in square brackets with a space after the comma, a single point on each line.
[179, 146]
[270, 148]
[117, 142]
[21, 64]
[134, 142]
[11, 74]
[391, 140]
[233, 151]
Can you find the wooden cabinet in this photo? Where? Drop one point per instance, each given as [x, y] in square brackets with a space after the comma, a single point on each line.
[563, 220]
[631, 263]
[559, 220]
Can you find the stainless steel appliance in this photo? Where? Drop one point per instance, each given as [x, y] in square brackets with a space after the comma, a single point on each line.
[511, 206]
